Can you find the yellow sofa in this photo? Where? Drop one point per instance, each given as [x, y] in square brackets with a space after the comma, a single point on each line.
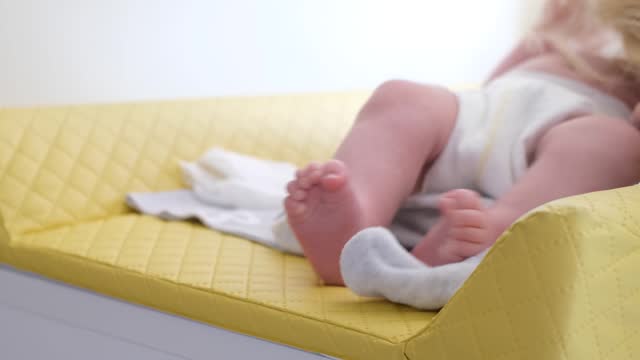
[562, 283]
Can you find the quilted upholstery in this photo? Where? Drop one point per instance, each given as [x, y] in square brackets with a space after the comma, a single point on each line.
[561, 283]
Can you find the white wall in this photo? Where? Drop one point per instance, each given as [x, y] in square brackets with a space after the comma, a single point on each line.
[72, 51]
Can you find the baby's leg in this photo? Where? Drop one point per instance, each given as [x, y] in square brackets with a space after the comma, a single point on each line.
[582, 155]
[401, 128]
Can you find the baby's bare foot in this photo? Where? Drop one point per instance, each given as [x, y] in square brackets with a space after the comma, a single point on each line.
[466, 227]
[324, 213]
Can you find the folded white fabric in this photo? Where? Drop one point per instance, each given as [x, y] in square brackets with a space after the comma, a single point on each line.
[225, 178]
[373, 263]
[229, 192]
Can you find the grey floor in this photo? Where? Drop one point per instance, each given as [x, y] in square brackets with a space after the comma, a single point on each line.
[41, 319]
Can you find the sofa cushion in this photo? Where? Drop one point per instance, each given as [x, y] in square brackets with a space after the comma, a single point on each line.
[561, 283]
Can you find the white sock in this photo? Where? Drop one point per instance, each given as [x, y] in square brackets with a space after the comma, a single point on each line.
[373, 263]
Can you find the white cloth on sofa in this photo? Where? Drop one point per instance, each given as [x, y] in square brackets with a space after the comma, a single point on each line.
[229, 192]
[228, 179]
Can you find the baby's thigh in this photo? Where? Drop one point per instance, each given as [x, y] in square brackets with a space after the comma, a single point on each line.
[607, 147]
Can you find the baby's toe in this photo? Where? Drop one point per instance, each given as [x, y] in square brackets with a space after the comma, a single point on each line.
[314, 176]
[294, 207]
[309, 175]
[469, 235]
[334, 175]
[334, 167]
[305, 171]
[468, 218]
[295, 191]
[292, 186]
[466, 199]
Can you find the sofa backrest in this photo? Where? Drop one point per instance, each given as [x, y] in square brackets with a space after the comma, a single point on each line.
[63, 165]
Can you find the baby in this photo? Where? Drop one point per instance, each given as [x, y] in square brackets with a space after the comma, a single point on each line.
[553, 120]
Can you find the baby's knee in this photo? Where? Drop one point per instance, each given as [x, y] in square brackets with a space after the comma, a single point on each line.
[402, 94]
[396, 90]
[414, 103]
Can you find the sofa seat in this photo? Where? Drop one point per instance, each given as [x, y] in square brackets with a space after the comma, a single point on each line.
[561, 283]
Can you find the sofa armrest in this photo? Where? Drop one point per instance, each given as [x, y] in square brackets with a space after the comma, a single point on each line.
[563, 282]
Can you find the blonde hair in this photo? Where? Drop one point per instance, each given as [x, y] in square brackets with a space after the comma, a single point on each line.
[575, 27]
[624, 17]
